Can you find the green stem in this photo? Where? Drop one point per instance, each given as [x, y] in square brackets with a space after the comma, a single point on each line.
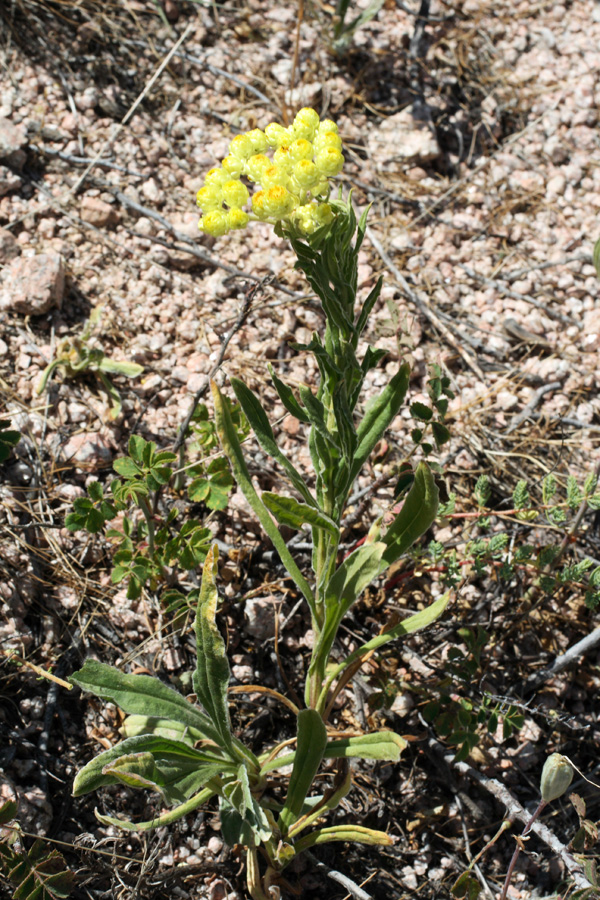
[150, 523]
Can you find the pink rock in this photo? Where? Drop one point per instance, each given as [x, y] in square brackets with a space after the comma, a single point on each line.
[98, 213]
[407, 137]
[33, 285]
[8, 181]
[91, 449]
[12, 142]
[9, 248]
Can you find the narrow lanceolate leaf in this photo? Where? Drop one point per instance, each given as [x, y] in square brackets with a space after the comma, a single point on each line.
[257, 417]
[344, 587]
[596, 257]
[316, 413]
[211, 677]
[290, 512]
[413, 623]
[142, 695]
[311, 743]
[379, 414]
[231, 446]
[417, 514]
[383, 745]
[166, 818]
[286, 395]
[352, 833]
[176, 761]
[167, 728]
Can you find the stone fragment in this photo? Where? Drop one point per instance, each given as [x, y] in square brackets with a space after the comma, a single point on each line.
[405, 138]
[88, 448]
[260, 617]
[12, 143]
[98, 213]
[33, 285]
[9, 248]
[9, 181]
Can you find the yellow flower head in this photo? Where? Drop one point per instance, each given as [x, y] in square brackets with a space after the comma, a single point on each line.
[237, 218]
[209, 197]
[279, 202]
[235, 193]
[306, 123]
[291, 168]
[214, 223]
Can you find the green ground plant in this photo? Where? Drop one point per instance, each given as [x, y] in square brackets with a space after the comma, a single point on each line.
[75, 357]
[187, 752]
[34, 873]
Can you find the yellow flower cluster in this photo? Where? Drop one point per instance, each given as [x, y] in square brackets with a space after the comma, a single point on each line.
[293, 183]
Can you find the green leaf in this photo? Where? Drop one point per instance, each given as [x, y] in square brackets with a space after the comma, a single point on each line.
[417, 514]
[248, 830]
[129, 369]
[166, 728]
[8, 439]
[211, 677]
[286, 396]
[316, 413]
[413, 623]
[165, 818]
[233, 450]
[381, 745]
[142, 695]
[155, 762]
[127, 467]
[351, 833]
[257, 417]
[290, 512]
[596, 257]
[8, 811]
[343, 589]
[379, 414]
[420, 411]
[310, 747]
[440, 433]
[466, 887]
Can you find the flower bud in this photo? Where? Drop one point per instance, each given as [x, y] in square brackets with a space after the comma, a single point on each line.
[305, 174]
[233, 166]
[306, 123]
[323, 215]
[301, 149]
[214, 223]
[277, 135]
[209, 197]
[256, 166]
[235, 193]
[557, 775]
[278, 202]
[327, 139]
[258, 139]
[329, 161]
[282, 158]
[237, 218]
[258, 205]
[241, 147]
[216, 176]
[274, 175]
[327, 125]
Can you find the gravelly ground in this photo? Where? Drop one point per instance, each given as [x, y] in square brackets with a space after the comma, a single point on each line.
[476, 140]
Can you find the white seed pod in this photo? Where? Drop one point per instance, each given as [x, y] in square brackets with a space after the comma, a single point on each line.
[557, 775]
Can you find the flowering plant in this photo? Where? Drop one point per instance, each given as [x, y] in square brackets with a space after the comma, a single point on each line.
[187, 754]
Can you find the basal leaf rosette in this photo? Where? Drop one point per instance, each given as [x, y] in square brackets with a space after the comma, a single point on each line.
[292, 184]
